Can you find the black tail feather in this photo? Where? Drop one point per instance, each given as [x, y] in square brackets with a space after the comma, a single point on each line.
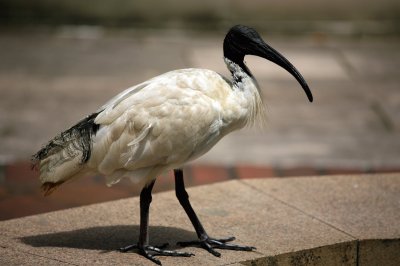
[80, 134]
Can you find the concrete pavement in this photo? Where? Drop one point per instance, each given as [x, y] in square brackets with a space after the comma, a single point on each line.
[342, 220]
[48, 81]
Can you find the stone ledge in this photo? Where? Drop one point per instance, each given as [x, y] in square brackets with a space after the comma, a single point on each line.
[332, 220]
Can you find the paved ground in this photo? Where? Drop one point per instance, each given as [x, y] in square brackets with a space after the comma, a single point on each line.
[20, 193]
[342, 220]
[48, 81]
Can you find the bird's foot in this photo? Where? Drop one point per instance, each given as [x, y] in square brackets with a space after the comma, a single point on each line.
[150, 252]
[210, 244]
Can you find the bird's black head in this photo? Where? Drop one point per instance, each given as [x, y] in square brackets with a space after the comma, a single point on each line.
[242, 40]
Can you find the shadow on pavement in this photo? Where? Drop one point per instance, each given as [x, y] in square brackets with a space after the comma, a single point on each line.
[108, 238]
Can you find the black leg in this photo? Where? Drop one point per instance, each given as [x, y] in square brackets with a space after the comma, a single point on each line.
[204, 240]
[143, 246]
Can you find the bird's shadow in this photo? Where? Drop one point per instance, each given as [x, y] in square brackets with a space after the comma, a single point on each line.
[108, 238]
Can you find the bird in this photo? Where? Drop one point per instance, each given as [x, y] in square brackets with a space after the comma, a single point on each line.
[160, 125]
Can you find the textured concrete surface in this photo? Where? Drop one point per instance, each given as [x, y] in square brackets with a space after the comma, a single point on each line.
[366, 207]
[349, 220]
[20, 193]
[50, 80]
[351, 200]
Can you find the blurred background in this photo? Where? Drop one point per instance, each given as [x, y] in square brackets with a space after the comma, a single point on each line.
[61, 60]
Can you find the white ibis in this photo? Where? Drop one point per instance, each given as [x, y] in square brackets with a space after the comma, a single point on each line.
[160, 125]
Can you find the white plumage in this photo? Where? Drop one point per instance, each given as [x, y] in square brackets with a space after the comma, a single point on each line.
[161, 124]
[164, 122]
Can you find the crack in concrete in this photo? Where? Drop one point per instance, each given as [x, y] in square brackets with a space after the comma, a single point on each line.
[358, 253]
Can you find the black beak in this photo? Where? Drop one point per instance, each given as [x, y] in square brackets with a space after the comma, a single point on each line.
[273, 55]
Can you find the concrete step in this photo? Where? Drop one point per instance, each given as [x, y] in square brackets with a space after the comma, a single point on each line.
[331, 220]
[20, 193]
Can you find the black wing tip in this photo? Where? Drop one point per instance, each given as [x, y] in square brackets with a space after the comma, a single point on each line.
[84, 129]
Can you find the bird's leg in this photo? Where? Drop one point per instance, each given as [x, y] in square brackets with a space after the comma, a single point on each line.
[204, 241]
[143, 246]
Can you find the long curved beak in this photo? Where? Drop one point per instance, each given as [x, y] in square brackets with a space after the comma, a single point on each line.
[273, 55]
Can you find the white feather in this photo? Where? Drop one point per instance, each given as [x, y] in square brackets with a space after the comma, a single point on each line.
[166, 122]
[152, 127]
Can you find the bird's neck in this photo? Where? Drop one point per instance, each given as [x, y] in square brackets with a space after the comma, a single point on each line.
[239, 72]
[247, 92]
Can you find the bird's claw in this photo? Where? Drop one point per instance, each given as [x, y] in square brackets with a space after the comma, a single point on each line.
[155, 251]
[210, 244]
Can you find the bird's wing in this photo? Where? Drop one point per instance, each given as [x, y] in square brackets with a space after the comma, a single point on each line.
[106, 114]
[158, 124]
